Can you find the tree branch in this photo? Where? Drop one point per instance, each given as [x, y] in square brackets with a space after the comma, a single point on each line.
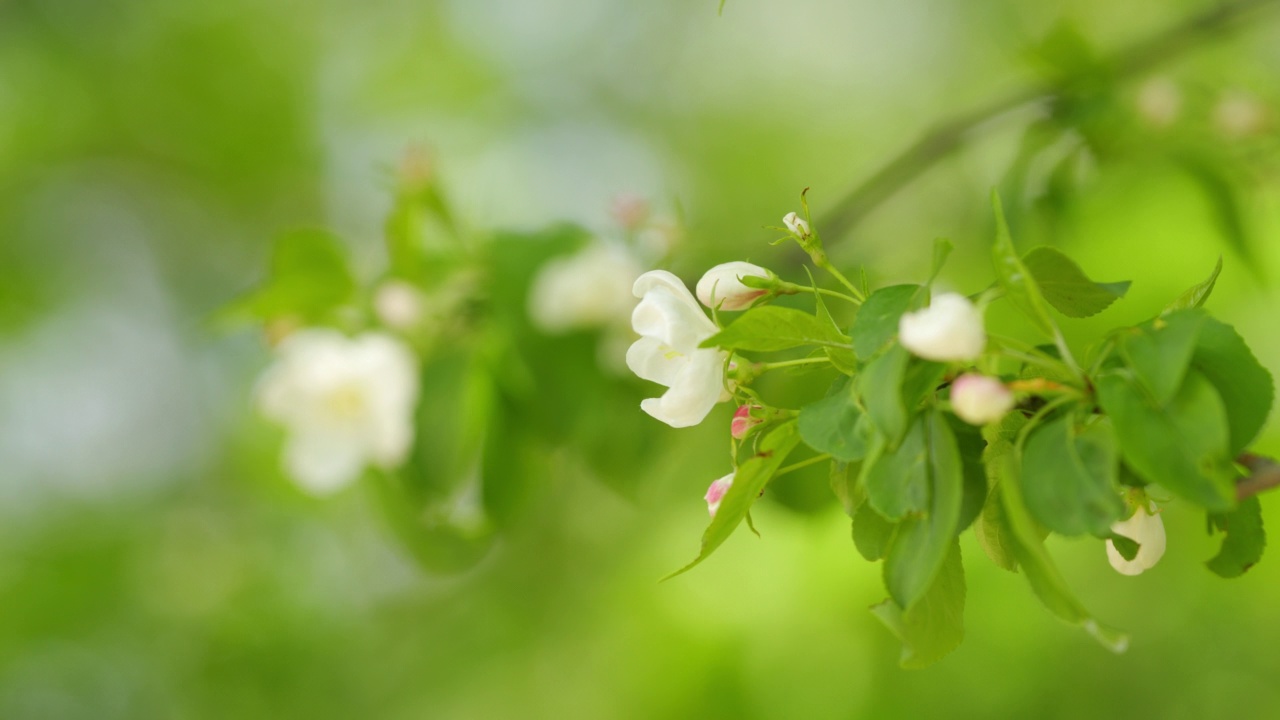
[951, 135]
[1264, 474]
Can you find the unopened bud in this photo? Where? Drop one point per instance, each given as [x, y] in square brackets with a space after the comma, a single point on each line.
[1159, 101]
[796, 224]
[980, 399]
[399, 305]
[949, 329]
[721, 287]
[1145, 528]
[716, 493]
[743, 422]
[629, 211]
[1239, 114]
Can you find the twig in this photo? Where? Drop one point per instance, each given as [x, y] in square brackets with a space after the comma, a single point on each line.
[952, 134]
[1264, 474]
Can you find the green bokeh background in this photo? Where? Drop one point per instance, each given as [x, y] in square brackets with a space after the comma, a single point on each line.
[156, 563]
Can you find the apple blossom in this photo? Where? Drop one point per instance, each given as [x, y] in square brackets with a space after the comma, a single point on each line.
[716, 493]
[1145, 528]
[587, 289]
[743, 422]
[980, 399]
[344, 402]
[722, 288]
[949, 329]
[399, 305]
[671, 326]
[796, 224]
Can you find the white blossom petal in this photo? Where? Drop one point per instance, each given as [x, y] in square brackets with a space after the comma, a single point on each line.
[322, 464]
[694, 393]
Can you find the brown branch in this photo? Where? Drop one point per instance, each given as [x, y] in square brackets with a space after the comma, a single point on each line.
[1264, 474]
[951, 135]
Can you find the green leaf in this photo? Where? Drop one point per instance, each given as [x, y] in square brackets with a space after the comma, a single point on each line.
[897, 481]
[877, 321]
[994, 534]
[843, 359]
[1127, 547]
[920, 544]
[1245, 386]
[1224, 196]
[1183, 446]
[309, 279]
[844, 484]
[1159, 352]
[1018, 282]
[835, 425]
[935, 626]
[971, 445]
[941, 251]
[1069, 477]
[770, 328]
[1195, 295]
[1026, 542]
[1242, 547]
[750, 480]
[1066, 287]
[880, 387]
[871, 533]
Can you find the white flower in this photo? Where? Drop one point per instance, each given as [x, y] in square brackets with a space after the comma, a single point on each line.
[721, 287]
[716, 493]
[1145, 528]
[344, 402]
[1159, 101]
[796, 224]
[399, 305]
[949, 329]
[980, 399]
[671, 325]
[585, 290]
[1239, 114]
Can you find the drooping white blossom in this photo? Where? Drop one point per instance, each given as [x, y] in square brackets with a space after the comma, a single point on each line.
[716, 493]
[399, 305]
[949, 329]
[980, 399]
[344, 402]
[1145, 528]
[671, 325]
[722, 287]
[796, 224]
[588, 289]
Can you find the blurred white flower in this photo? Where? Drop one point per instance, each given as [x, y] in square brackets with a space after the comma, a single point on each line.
[671, 325]
[796, 224]
[980, 399]
[399, 305]
[1239, 114]
[1145, 528]
[716, 493]
[587, 289]
[1159, 101]
[630, 211]
[720, 286]
[345, 402]
[949, 329]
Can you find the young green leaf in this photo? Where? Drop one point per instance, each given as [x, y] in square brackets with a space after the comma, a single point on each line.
[1025, 540]
[935, 626]
[770, 328]
[897, 481]
[1066, 287]
[941, 251]
[994, 534]
[1127, 547]
[1183, 445]
[836, 425]
[1242, 547]
[1246, 387]
[750, 480]
[1195, 295]
[843, 359]
[877, 320]
[871, 533]
[1069, 477]
[971, 445]
[920, 544]
[1018, 282]
[309, 278]
[879, 386]
[1159, 352]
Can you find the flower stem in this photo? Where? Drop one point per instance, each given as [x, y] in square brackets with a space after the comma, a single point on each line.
[803, 464]
[765, 367]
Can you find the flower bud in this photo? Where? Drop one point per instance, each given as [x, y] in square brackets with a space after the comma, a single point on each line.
[1239, 114]
[1145, 528]
[399, 305]
[721, 287]
[1159, 101]
[796, 224]
[980, 399]
[629, 211]
[743, 422]
[949, 329]
[716, 493]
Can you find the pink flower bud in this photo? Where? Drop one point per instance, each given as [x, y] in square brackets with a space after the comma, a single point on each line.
[980, 399]
[716, 493]
[743, 422]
